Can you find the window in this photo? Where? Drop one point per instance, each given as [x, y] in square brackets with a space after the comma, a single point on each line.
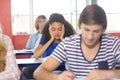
[24, 12]
[111, 7]
[20, 16]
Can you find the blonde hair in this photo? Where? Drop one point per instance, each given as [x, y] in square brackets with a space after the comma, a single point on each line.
[38, 19]
[2, 52]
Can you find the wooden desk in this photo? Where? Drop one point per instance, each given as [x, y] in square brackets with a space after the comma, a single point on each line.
[30, 62]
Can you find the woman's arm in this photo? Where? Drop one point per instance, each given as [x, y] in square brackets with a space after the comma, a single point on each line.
[11, 71]
[41, 49]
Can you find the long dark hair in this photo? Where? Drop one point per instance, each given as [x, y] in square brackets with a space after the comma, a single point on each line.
[56, 17]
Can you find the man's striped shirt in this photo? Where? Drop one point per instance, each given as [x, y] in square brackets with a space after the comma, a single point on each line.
[70, 52]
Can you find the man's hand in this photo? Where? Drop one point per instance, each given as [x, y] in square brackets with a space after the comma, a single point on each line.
[97, 75]
[66, 75]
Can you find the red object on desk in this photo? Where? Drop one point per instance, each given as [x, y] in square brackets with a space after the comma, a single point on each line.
[25, 56]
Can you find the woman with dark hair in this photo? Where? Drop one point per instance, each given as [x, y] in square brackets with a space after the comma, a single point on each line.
[55, 30]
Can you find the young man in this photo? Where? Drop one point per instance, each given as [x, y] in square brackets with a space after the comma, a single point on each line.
[91, 55]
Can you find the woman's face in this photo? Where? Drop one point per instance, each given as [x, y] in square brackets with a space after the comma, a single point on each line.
[56, 28]
[41, 23]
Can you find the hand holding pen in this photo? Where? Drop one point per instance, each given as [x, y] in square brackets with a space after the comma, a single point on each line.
[66, 75]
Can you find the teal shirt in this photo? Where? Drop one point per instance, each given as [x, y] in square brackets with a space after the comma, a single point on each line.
[32, 41]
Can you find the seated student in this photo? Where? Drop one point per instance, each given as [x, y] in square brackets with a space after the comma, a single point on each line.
[91, 55]
[55, 30]
[39, 25]
[34, 39]
[8, 67]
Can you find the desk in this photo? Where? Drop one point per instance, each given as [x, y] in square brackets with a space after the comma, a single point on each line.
[23, 53]
[79, 79]
[30, 62]
[97, 79]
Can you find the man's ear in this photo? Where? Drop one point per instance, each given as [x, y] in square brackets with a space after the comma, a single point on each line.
[103, 30]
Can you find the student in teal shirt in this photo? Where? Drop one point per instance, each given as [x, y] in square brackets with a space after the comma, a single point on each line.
[32, 40]
[39, 25]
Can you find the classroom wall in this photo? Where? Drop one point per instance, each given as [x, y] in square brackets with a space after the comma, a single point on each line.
[5, 16]
[19, 41]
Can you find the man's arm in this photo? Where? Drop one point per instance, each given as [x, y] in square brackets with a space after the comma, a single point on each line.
[45, 71]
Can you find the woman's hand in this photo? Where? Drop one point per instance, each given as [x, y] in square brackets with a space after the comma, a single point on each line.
[51, 34]
[62, 34]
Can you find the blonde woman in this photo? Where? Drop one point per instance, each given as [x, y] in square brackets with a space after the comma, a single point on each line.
[8, 67]
[39, 25]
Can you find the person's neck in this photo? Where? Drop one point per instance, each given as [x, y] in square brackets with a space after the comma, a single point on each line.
[57, 41]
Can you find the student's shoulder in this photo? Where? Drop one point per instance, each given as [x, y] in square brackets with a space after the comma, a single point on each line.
[34, 35]
[73, 37]
[6, 37]
[110, 38]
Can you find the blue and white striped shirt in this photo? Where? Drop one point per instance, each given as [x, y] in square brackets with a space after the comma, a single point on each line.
[70, 52]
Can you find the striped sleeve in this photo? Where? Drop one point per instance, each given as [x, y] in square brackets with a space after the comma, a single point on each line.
[59, 53]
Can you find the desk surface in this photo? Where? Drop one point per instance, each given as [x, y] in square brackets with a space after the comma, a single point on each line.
[99, 79]
[22, 51]
[29, 62]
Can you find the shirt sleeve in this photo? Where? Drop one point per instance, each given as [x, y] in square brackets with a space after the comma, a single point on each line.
[116, 50]
[11, 71]
[28, 45]
[60, 53]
